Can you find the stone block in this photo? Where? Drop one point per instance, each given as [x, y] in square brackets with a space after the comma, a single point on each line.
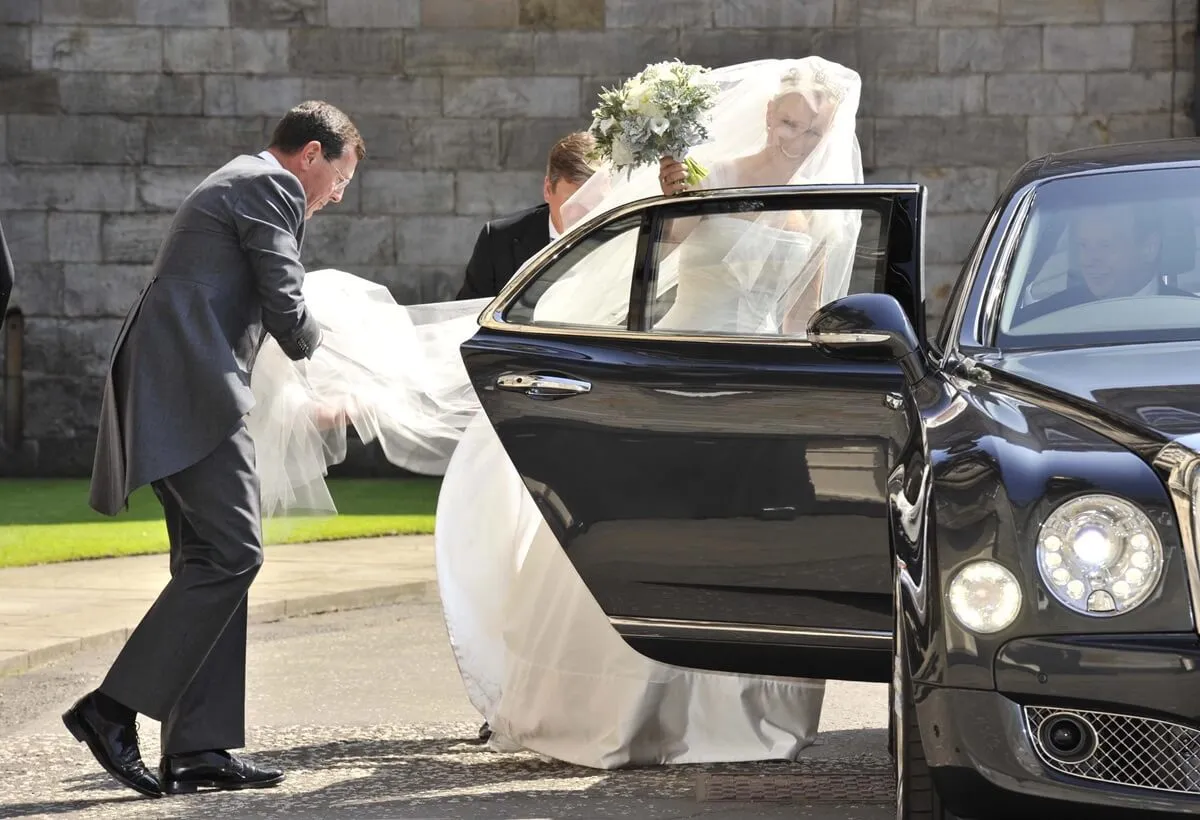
[1039, 12]
[616, 52]
[408, 192]
[901, 96]
[74, 237]
[773, 13]
[373, 14]
[726, 47]
[494, 193]
[894, 50]
[1011, 48]
[25, 233]
[436, 240]
[38, 290]
[560, 15]
[21, 11]
[525, 144]
[1036, 94]
[345, 241]
[104, 12]
[389, 97]
[1139, 11]
[15, 49]
[469, 14]
[239, 96]
[199, 50]
[511, 97]
[1184, 12]
[430, 143]
[1124, 93]
[211, 141]
[102, 290]
[1088, 48]
[1182, 125]
[949, 237]
[82, 139]
[36, 93]
[80, 188]
[959, 190]
[67, 407]
[132, 238]
[1185, 47]
[98, 49]
[958, 12]
[104, 93]
[660, 14]
[469, 51]
[75, 347]
[1154, 47]
[852, 13]
[950, 141]
[164, 189]
[339, 51]
[1053, 134]
[275, 13]
[183, 12]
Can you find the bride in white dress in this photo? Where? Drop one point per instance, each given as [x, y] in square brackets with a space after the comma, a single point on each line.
[537, 655]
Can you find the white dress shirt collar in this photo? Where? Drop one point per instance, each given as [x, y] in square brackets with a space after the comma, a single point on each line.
[269, 157]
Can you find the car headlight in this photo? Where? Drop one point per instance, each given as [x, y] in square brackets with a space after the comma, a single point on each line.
[1099, 555]
[985, 597]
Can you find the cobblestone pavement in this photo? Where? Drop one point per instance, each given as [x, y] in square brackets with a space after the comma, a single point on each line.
[365, 712]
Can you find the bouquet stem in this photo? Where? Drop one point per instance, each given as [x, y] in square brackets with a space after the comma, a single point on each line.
[695, 171]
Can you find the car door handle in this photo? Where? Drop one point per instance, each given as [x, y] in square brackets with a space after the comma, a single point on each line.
[543, 387]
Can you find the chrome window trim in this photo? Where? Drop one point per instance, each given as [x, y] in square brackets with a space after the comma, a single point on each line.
[1182, 468]
[997, 280]
[491, 319]
[954, 332]
[723, 628]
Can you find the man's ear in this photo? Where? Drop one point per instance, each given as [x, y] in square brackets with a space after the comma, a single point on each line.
[547, 189]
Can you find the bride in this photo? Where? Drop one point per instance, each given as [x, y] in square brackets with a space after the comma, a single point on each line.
[536, 653]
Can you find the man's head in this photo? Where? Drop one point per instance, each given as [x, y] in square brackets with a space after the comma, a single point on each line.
[1117, 248]
[319, 144]
[567, 168]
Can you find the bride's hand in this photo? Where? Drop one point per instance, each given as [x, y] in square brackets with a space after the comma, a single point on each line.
[671, 176]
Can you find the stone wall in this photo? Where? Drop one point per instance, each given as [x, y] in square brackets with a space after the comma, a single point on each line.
[111, 109]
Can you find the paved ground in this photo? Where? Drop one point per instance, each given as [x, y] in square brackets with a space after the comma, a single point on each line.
[366, 712]
[50, 611]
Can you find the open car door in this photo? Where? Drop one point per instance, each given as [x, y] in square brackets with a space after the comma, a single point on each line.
[716, 481]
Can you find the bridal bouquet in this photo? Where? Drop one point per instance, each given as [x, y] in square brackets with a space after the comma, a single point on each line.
[659, 112]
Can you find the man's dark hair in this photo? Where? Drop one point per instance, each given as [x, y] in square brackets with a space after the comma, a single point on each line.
[320, 121]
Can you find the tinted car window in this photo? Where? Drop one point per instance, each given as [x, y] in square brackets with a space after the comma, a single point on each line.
[1106, 258]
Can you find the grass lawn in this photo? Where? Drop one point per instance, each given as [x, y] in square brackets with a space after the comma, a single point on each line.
[45, 521]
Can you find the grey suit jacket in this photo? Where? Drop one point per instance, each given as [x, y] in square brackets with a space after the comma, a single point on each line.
[179, 378]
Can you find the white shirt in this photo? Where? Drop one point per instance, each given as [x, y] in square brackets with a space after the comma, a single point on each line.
[269, 157]
[553, 233]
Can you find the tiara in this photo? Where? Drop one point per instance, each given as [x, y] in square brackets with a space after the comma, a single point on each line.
[819, 79]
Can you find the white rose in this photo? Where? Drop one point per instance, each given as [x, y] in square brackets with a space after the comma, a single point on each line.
[622, 154]
[659, 125]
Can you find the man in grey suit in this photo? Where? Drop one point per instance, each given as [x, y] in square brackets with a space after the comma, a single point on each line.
[172, 417]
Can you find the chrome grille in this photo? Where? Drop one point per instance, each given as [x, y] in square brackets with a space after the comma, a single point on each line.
[1129, 751]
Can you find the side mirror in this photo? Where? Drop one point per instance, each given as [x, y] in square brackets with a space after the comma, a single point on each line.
[869, 327]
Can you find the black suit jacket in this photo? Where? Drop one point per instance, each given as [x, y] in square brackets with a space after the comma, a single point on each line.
[503, 246]
[6, 276]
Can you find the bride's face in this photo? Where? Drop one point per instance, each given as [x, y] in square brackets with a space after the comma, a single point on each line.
[796, 125]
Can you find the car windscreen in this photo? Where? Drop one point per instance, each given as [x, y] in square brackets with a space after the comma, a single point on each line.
[1105, 258]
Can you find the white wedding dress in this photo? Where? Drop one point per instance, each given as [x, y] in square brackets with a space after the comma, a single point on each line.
[538, 656]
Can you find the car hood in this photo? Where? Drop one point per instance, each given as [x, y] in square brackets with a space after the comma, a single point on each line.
[1154, 387]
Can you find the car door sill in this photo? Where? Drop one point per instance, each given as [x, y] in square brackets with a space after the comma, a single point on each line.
[763, 633]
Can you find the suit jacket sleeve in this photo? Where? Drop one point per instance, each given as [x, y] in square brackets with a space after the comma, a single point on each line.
[270, 216]
[481, 272]
[7, 276]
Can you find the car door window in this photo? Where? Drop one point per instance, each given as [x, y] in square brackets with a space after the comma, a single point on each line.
[588, 285]
[749, 268]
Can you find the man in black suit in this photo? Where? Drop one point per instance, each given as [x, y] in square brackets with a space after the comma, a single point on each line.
[506, 243]
[6, 277]
[1116, 251]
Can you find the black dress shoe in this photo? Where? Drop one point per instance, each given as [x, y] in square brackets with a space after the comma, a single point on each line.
[485, 732]
[185, 774]
[114, 743]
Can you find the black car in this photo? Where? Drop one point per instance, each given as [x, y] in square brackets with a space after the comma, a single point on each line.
[1000, 520]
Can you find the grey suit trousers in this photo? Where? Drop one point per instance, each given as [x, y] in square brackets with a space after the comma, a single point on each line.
[185, 663]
